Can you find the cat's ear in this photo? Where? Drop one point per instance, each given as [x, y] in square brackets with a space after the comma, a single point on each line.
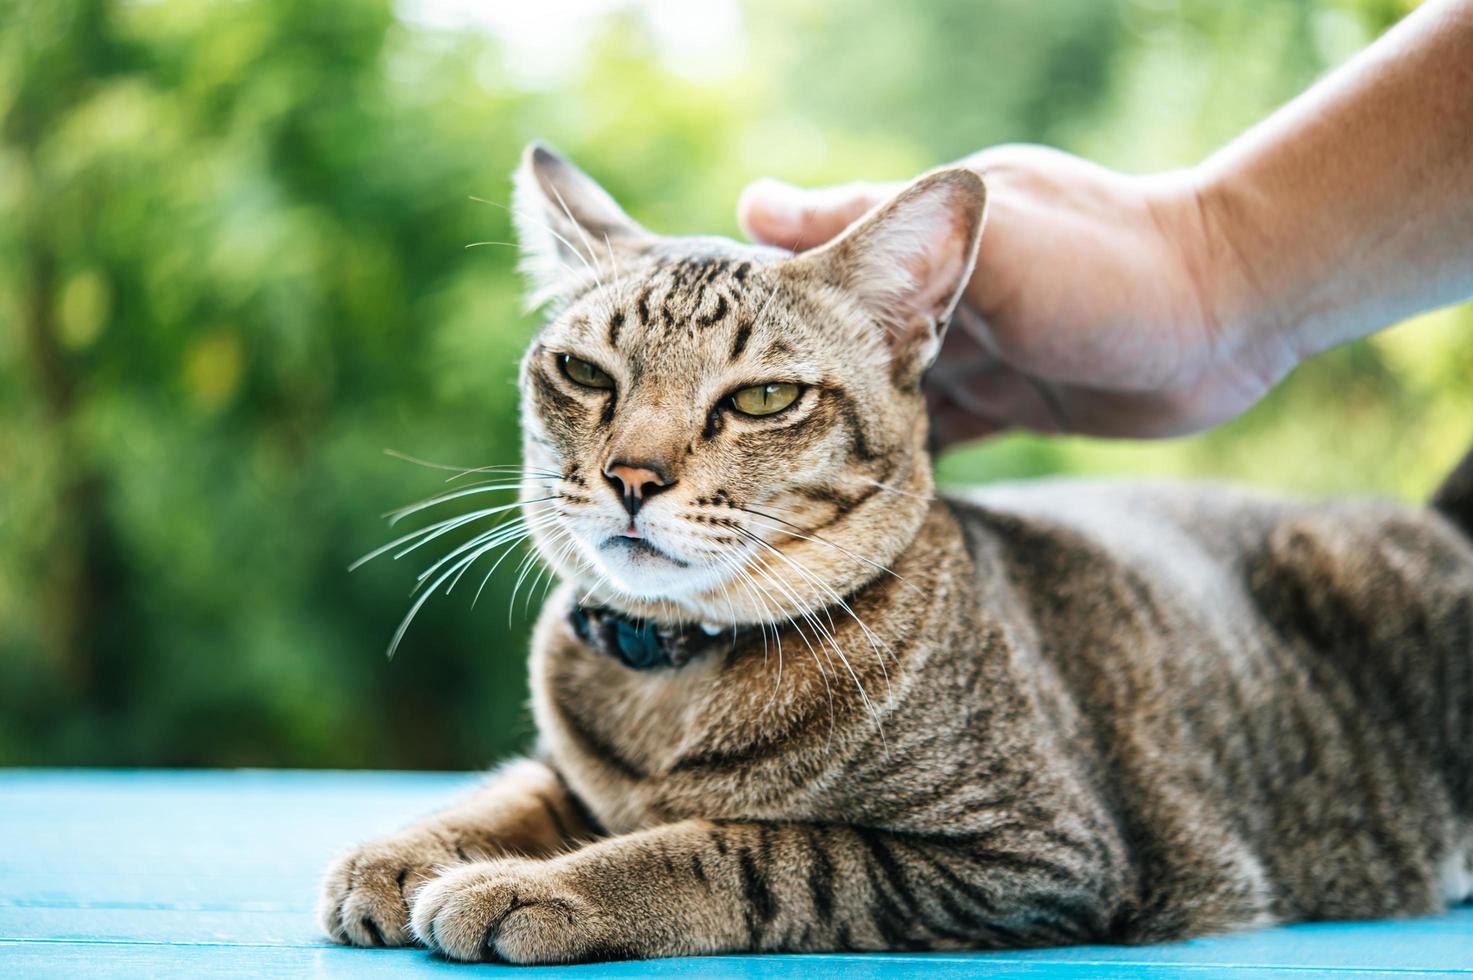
[569, 228]
[908, 260]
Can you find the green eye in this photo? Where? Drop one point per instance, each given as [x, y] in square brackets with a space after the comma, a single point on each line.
[767, 399]
[585, 374]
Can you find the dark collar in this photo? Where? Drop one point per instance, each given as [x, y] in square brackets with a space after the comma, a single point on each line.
[641, 644]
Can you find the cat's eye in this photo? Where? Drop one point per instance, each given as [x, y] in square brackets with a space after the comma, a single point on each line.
[581, 372]
[768, 399]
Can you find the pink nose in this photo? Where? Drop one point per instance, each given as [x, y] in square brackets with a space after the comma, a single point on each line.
[636, 482]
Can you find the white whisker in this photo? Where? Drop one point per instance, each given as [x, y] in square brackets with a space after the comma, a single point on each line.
[818, 539]
[897, 490]
[464, 470]
[813, 579]
[397, 515]
[578, 227]
[428, 533]
[510, 539]
[764, 570]
[499, 532]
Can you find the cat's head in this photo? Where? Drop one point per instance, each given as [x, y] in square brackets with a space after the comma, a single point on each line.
[727, 432]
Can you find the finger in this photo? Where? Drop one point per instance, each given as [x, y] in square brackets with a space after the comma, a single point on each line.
[951, 425]
[780, 214]
[969, 329]
[998, 394]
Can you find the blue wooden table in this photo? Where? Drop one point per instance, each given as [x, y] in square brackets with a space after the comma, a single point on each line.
[161, 873]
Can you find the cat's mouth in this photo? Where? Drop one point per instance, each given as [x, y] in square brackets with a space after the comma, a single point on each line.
[639, 551]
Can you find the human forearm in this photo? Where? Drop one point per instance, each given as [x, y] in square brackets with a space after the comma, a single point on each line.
[1352, 207]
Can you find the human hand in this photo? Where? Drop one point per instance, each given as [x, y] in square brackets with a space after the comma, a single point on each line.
[1101, 304]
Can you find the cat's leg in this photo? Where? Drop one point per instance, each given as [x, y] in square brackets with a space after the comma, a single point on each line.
[523, 808]
[702, 887]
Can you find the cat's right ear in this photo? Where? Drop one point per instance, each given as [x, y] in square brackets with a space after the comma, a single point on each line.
[908, 261]
[569, 228]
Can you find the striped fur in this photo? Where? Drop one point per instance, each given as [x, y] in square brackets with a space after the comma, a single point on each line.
[1039, 714]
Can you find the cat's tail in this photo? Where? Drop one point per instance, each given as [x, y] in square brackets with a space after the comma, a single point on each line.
[1454, 499]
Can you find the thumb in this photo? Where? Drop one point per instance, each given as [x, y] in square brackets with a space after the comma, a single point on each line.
[776, 213]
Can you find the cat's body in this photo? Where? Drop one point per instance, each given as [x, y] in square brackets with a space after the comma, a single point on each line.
[1048, 713]
[1174, 711]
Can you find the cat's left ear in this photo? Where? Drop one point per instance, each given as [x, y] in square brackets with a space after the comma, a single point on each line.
[569, 228]
[908, 260]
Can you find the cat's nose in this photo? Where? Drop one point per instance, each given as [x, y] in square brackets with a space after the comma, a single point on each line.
[637, 482]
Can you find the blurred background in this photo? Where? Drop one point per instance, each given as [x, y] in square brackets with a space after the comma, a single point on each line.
[233, 271]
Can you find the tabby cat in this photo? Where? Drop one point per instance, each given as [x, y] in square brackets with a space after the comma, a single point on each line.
[790, 700]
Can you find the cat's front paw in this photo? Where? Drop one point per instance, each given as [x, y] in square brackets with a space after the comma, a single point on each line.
[515, 910]
[366, 894]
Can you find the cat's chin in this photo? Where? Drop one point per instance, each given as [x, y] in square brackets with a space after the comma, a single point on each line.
[656, 587]
[641, 571]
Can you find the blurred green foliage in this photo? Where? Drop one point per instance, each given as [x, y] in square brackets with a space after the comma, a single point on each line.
[234, 270]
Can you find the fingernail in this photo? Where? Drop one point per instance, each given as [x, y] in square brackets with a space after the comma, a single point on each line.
[775, 203]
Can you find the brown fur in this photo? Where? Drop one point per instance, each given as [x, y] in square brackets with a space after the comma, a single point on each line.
[1049, 713]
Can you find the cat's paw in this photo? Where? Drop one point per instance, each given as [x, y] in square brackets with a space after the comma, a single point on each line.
[366, 894]
[515, 910]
